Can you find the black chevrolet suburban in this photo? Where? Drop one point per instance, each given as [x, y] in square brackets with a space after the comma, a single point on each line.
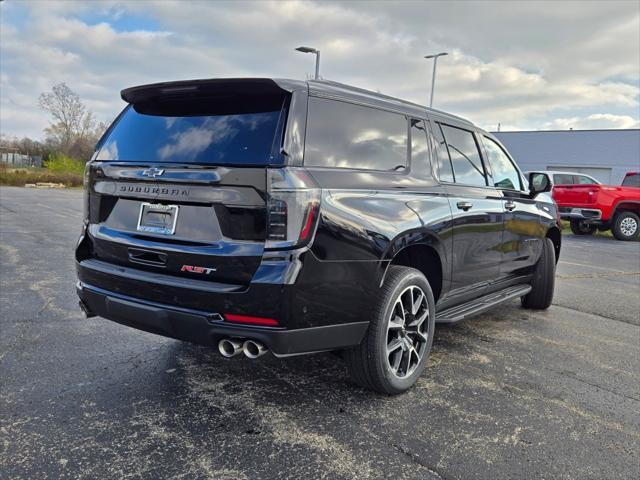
[306, 216]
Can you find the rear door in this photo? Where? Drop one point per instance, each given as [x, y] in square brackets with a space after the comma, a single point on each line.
[585, 190]
[476, 207]
[178, 185]
[563, 189]
[574, 189]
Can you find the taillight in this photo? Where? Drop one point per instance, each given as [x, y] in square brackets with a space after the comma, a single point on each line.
[293, 206]
[85, 194]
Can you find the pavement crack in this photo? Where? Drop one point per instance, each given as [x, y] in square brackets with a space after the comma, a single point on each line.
[586, 382]
[48, 302]
[595, 275]
[621, 320]
[8, 209]
[416, 459]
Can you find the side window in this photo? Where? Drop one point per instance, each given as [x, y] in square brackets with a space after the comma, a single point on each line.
[631, 180]
[344, 135]
[465, 156]
[505, 174]
[563, 179]
[584, 180]
[419, 148]
[445, 171]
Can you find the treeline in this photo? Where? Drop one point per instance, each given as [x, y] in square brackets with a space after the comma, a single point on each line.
[72, 132]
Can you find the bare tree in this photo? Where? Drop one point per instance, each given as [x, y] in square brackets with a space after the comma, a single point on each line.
[74, 129]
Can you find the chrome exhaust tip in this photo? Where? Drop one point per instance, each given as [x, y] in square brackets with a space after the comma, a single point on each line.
[253, 349]
[229, 347]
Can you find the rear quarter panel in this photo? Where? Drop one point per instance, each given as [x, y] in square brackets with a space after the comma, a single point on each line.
[370, 216]
[611, 197]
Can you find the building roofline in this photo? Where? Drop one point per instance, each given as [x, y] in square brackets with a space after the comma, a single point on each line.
[572, 131]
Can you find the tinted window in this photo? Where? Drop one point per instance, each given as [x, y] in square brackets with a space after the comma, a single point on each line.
[344, 135]
[631, 180]
[563, 179]
[584, 180]
[505, 174]
[465, 156]
[242, 138]
[445, 171]
[419, 148]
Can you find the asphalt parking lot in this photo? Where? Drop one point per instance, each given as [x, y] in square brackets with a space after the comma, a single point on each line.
[509, 394]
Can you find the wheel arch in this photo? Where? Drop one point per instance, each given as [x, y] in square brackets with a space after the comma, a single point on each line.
[553, 233]
[425, 255]
[626, 206]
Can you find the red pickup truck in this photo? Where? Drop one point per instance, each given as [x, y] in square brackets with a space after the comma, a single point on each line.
[589, 205]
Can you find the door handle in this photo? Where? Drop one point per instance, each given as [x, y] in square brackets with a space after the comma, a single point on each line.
[464, 205]
[510, 206]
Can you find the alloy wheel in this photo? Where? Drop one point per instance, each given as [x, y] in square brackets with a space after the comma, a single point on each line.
[628, 226]
[407, 332]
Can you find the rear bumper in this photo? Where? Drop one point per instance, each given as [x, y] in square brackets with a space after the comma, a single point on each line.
[592, 215]
[207, 328]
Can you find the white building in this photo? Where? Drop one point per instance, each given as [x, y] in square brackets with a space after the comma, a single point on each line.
[606, 155]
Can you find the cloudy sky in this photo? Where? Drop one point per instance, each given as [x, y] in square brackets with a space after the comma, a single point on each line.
[525, 65]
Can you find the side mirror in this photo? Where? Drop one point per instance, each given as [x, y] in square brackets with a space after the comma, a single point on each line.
[539, 183]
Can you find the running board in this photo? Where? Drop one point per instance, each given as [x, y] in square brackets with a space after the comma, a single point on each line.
[479, 305]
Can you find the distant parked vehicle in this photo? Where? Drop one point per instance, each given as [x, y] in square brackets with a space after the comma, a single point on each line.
[591, 206]
[631, 179]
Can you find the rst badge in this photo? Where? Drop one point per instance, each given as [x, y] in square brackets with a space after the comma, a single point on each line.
[195, 269]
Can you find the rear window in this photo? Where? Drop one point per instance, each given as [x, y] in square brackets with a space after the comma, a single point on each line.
[631, 180]
[563, 179]
[179, 135]
[584, 180]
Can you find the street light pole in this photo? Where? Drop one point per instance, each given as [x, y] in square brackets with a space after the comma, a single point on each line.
[317, 54]
[433, 76]
[317, 76]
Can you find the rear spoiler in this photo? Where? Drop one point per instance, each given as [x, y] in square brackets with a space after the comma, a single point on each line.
[209, 87]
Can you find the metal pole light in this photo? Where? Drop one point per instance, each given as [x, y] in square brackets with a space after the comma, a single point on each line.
[317, 53]
[433, 76]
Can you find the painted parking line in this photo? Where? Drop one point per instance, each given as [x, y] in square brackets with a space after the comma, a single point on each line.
[592, 266]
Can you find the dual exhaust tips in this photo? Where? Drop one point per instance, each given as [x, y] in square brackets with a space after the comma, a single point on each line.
[230, 347]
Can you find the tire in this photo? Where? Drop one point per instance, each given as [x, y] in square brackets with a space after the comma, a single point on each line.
[543, 282]
[626, 226]
[580, 227]
[370, 364]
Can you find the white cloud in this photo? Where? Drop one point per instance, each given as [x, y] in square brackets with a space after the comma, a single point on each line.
[526, 66]
[594, 121]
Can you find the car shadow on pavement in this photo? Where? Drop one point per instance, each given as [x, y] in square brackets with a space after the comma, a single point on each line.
[317, 377]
